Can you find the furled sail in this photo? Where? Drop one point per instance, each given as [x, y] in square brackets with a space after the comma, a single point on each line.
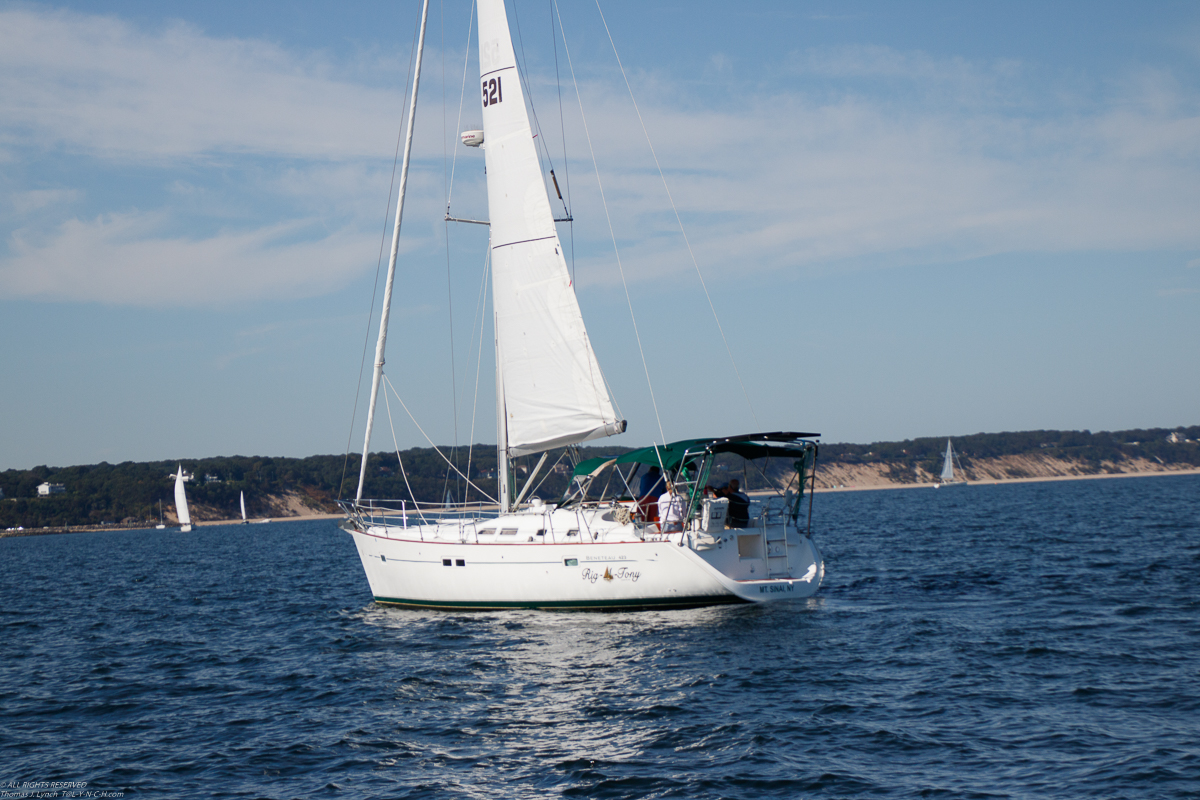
[551, 390]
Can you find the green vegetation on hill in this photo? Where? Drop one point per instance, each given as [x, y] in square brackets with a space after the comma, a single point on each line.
[130, 492]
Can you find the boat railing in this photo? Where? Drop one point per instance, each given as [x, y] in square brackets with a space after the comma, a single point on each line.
[408, 512]
[777, 509]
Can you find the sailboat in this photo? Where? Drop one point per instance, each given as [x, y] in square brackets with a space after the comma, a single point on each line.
[161, 526]
[181, 506]
[948, 475]
[600, 546]
[242, 498]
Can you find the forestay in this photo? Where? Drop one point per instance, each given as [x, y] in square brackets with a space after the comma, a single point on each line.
[550, 389]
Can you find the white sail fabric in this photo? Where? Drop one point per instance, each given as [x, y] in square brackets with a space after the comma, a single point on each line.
[181, 509]
[552, 392]
[242, 498]
[948, 466]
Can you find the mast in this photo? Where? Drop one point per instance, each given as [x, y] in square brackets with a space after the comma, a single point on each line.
[391, 273]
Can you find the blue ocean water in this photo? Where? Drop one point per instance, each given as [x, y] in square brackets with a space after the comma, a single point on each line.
[1015, 641]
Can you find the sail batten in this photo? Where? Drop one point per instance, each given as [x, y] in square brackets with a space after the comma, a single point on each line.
[553, 391]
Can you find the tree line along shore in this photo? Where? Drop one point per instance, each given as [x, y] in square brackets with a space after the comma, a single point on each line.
[129, 494]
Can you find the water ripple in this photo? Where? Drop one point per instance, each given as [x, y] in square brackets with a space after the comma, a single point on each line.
[1034, 640]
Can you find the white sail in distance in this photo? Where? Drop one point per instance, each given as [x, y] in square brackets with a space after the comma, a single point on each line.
[242, 497]
[181, 508]
[948, 466]
[551, 391]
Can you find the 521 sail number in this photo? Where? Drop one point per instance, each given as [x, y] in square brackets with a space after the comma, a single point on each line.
[492, 91]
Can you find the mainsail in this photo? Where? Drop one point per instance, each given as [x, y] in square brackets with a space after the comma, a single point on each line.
[549, 386]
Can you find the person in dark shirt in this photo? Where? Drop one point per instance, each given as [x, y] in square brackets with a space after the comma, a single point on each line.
[649, 489]
[652, 483]
[739, 504]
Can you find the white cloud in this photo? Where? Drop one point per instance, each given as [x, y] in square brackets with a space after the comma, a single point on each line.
[122, 259]
[969, 159]
[27, 202]
[787, 180]
[96, 84]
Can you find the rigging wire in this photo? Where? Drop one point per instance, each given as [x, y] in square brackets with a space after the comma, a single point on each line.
[478, 318]
[395, 444]
[436, 449]
[539, 140]
[611, 231]
[480, 307]
[449, 283]
[546, 475]
[562, 128]
[678, 219]
[378, 267]
[461, 102]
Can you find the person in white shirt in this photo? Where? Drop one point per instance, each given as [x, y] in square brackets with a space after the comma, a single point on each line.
[670, 510]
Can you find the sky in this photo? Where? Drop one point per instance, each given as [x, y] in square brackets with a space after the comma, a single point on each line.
[898, 220]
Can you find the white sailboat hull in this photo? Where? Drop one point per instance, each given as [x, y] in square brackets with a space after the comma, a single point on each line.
[431, 567]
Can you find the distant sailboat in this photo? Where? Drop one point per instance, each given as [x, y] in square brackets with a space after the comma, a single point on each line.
[242, 496]
[948, 478]
[161, 526]
[181, 507]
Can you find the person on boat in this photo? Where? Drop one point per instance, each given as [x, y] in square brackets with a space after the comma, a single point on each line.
[670, 511]
[652, 482]
[648, 491]
[738, 515]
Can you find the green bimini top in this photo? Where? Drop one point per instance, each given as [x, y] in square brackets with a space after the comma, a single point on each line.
[672, 456]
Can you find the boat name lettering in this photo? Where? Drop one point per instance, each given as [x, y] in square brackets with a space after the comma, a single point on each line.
[776, 588]
[604, 558]
[619, 574]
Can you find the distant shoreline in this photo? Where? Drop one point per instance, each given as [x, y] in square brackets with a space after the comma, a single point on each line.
[819, 490]
[174, 527]
[998, 481]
